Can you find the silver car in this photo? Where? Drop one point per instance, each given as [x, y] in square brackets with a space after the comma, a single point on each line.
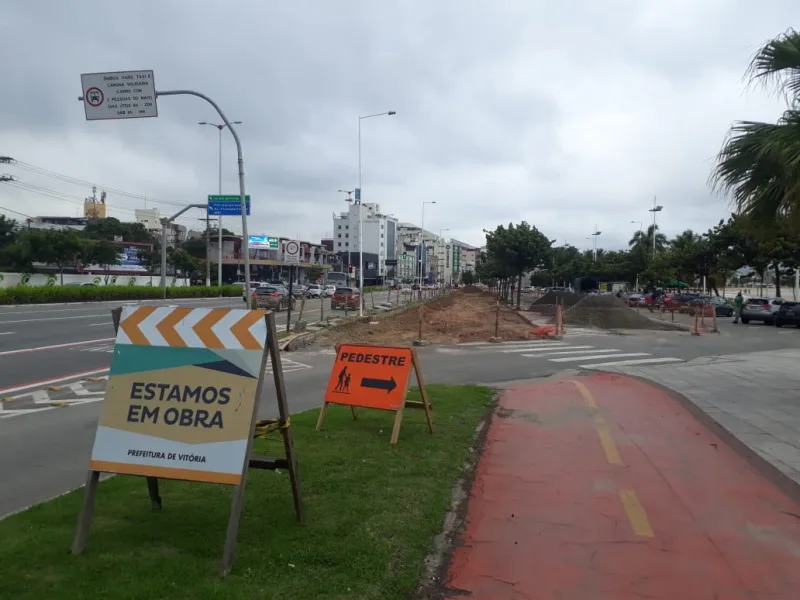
[760, 309]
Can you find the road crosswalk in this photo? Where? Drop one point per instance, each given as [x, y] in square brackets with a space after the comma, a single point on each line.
[575, 355]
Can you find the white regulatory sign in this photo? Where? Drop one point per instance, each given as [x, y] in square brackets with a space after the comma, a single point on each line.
[291, 252]
[119, 95]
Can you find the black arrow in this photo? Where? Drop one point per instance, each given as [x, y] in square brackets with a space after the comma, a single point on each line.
[379, 384]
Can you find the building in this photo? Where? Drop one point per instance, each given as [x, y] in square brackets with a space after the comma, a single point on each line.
[380, 240]
[94, 208]
[464, 259]
[58, 223]
[268, 258]
[409, 240]
[151, 219]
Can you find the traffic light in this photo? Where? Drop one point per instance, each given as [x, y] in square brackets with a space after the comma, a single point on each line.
[404, 255]
[350, 269]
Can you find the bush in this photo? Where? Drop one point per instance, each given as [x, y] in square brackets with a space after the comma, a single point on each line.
[45, 294]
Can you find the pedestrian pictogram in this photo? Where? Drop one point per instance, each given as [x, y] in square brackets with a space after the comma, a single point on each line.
[94, 97]
[375, 377]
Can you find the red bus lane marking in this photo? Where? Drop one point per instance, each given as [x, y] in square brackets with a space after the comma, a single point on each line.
[681, 516]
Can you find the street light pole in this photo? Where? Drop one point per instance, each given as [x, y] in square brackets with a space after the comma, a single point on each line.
[441, 241]
[654, 210]
[423, 255]
[350, 200]
[219, 127]
[641, 234]
[359, 200]
[594, 243]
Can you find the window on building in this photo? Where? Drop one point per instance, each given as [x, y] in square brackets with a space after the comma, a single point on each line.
[347, 226]
[339, 244]
[340, 227]
[347, 235]
[340, 235]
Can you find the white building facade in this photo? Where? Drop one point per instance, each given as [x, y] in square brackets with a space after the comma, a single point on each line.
[379, 232]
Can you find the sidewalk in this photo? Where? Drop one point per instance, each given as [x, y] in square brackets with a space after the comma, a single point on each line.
[607, 488]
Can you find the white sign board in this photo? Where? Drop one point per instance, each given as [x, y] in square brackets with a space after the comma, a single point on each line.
[119, 95]
[291, 252]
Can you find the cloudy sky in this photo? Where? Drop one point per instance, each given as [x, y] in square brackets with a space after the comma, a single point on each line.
[565, 114]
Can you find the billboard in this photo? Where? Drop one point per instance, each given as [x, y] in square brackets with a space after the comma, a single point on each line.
[262, 242]
[129, 259]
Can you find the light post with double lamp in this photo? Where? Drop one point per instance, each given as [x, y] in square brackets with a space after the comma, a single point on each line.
[388, 113]
[641, 226]
[594, 243]
[219, 127]
[349, 200]
[423, 255]
[654, 210]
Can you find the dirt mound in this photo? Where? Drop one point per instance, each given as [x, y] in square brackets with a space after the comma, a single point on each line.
[609, 312]
[471, 289]
[550, 298]
[458, 317]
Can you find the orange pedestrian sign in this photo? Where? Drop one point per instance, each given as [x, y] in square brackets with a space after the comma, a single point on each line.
[374, 377]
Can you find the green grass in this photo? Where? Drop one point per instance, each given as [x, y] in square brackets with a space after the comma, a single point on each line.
[372, 513]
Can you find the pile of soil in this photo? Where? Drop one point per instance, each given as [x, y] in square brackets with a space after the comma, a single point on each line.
[461, 316]
[546, 304]
[610, 312]
[472, 289]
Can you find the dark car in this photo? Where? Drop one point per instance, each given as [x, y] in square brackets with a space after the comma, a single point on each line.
[788, 314]
[273, 297]
[722, 308]
[345, 297]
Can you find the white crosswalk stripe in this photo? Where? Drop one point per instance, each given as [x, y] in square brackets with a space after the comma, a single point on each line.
[560, 351]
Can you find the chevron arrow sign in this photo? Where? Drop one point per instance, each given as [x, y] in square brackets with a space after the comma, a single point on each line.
[180, 327]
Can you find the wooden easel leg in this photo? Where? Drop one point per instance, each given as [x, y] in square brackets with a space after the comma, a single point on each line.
[423, 392]
[85, 517]
[152, 490]
[237, 503]
[321, 419]
[353, 412]
[398, 421]
[283, 412]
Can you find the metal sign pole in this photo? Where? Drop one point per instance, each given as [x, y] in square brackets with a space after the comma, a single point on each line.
[240, 162]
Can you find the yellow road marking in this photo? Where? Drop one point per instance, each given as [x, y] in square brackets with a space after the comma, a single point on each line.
[636, 513]
[603, 432]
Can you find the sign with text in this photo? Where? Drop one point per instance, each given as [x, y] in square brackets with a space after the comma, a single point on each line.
[119, 95]
[375, 377]
[181, 393]
[227, 205]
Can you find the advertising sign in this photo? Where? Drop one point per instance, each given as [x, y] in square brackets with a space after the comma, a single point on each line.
[262, 242]
[180, 398]
[227, 205]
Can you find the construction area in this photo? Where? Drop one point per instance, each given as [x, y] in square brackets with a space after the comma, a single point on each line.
[468, 314]
[598, 310]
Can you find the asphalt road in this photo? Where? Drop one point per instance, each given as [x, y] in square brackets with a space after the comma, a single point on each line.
[42, 343]
[44, 449]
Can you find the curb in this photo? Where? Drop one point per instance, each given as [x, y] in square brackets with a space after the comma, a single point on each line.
[96, 302]
[298, 341]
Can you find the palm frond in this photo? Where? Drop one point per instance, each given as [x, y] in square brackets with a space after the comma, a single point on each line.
[777, 64]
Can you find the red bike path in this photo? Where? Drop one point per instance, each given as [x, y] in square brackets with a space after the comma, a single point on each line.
[607, 488]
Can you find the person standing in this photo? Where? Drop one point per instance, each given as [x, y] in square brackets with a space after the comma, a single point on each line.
[738, 302]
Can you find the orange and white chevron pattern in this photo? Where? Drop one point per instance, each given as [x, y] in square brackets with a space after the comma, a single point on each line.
[180, 327]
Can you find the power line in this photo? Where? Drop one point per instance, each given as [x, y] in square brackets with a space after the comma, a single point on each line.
[82, 182]
[15, 212]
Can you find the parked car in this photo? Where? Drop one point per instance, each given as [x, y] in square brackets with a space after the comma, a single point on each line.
[345, 298]
[330, 290]
[274, 297]
[254, 285]
[298, 290]
[788, 313]
[315, 290]
[760, 309]
[722, 308]
[634, 299]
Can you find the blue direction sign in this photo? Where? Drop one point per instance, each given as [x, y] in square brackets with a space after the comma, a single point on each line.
[227, 205]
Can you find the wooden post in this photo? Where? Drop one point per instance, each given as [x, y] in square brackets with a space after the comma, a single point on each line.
[421, 308]
[423, 392]
[497, 318]
[372, 298]
[714, 320]
[302, 308]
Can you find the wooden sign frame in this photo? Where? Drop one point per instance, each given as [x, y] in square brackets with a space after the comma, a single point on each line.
[287, 462]
[398, 418]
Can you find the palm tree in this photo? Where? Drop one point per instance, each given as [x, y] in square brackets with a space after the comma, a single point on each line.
[759, 164]
[642, 241]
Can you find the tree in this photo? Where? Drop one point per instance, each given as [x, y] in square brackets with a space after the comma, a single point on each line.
[642, 241]
[515, 250]
[103, 254]
[60, 248]
[111, 228]
[315, 272]
[8, 231]
[758, 164]
[468, 278]
[183, 262]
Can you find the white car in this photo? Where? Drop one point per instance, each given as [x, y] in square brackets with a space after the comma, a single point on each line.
[315, 290]
[330, 290]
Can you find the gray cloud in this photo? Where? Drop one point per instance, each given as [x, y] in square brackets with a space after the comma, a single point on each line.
[564, 115]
